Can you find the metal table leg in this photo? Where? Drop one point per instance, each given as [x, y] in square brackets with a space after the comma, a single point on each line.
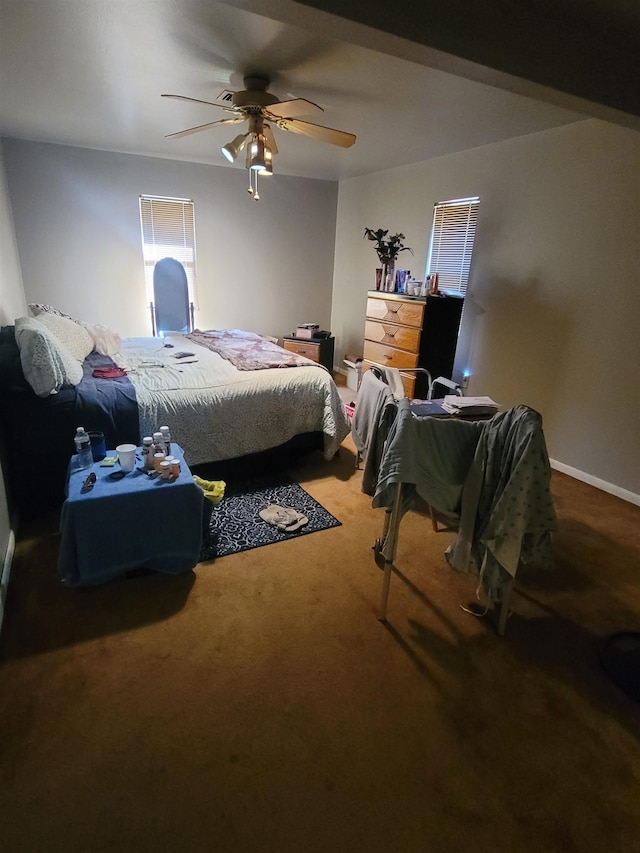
[389, 543]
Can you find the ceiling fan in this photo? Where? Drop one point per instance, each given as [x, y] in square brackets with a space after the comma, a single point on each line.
[262, 109]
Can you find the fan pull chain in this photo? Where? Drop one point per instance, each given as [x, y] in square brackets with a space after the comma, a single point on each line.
[256, 195]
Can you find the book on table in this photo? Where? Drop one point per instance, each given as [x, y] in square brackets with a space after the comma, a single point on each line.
[428, 408]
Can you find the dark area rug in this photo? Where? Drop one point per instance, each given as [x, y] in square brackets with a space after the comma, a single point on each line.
[236, 525]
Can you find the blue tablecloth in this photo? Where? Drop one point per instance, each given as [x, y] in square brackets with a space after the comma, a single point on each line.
[129, 523]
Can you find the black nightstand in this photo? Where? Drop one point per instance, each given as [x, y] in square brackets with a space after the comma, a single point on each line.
[319, 350]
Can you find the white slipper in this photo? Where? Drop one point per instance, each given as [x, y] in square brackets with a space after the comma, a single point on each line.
[283, 518]
[296, 525]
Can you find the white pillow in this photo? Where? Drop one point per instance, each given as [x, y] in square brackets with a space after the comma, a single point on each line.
[105, 341]
[37, 308]
[70, 334]
[46, 363]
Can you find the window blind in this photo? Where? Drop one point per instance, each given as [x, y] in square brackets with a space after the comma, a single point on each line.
[451, 245]
[168, 231]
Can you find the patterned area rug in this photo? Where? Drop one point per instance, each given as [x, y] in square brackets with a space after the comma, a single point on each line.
[236, 524]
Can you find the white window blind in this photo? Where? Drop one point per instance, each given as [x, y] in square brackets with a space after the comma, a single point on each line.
[451, 244]
[168, 231]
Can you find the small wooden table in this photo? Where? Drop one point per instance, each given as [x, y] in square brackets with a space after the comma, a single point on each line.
[319, 350]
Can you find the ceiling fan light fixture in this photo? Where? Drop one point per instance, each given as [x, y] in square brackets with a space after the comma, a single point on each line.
[261, 109]
[233, 148]
[268, 163]
[257, 153]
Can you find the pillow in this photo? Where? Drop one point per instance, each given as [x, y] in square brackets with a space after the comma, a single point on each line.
[37, 308]
[105, 341]
[70, 334]
[46, 363]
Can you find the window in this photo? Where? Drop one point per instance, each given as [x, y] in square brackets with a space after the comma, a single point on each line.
[168, 231]
[451, 243]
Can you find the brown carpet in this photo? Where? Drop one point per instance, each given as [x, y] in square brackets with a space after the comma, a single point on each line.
[257, 703]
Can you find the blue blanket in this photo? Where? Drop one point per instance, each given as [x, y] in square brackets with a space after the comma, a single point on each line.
[108, 405]
[38, 431]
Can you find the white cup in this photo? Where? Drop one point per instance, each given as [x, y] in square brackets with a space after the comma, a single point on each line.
[126, 456]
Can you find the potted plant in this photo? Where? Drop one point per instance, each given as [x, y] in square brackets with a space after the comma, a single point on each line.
[388, 249]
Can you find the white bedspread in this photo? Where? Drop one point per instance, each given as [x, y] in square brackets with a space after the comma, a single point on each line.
[215, 411]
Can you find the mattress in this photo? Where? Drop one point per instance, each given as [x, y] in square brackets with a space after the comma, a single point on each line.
[217, 412]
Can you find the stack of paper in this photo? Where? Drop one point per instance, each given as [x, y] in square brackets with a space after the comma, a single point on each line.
[469, 405]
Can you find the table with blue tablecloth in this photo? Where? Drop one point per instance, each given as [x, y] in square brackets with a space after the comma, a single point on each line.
[133, 522]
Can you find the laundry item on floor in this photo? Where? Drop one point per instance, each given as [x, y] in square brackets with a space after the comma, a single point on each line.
[283, 518]
[213, 489]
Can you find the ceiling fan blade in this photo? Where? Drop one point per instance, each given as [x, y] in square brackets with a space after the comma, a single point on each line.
[270, 139]
[203, 127]
[317, 131]
[297, 107]
[194, 100]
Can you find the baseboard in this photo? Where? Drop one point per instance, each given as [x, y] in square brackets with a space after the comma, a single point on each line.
[624, 494]
[6, 571]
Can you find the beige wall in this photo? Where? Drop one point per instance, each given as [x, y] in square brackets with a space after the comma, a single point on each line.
[552, 316]
[263, 266]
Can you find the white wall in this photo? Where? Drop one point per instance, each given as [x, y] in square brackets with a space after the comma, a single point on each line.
[12, 304]
[552, 315]
[12, 299]
[264, 266]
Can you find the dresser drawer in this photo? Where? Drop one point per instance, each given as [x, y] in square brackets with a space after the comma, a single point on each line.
[395, 311]
[408, 381]
[392, 335]
[388, 356]
[305, 348]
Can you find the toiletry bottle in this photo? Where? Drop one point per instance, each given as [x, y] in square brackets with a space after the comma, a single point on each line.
[158, 443]
[147, 452]
[166, 437]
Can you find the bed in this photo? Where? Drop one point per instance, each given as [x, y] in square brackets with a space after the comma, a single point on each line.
[127, 388]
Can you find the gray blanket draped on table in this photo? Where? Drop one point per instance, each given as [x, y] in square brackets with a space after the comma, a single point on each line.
[374, 415]
[507, 514]
[491, 477]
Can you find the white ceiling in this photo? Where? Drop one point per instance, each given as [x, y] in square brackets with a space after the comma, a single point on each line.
[90, 73]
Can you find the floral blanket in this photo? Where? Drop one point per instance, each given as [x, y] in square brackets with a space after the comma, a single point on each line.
[248, 351]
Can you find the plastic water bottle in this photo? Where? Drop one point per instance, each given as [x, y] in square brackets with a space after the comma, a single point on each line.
[83, 448]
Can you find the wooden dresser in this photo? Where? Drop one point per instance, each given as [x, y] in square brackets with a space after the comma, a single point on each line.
[407, 331]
